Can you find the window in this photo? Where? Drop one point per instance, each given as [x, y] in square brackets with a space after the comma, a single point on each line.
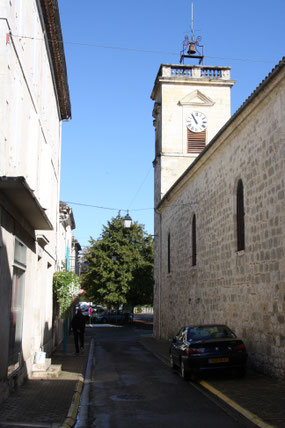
[17, 303]
[196, 141]
[240, 217]
[194, 244]
[168, 254]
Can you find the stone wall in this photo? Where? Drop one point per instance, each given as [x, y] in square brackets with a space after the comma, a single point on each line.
[245, 289]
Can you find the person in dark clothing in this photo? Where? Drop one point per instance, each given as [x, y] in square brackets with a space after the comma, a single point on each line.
[78, 328]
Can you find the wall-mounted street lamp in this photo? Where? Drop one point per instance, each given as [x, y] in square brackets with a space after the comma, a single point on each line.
[127, 221]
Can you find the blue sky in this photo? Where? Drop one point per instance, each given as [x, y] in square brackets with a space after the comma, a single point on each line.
[113, 52]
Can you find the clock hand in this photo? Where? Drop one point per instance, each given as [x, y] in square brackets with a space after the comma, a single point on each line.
[194, 119]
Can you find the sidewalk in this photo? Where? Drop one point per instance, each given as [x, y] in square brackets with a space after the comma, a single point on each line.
[257, 397]
[49, 402]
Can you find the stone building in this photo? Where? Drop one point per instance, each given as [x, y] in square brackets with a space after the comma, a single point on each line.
[34, 102]
[219, 218]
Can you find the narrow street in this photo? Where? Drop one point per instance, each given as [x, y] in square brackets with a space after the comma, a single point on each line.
[131, 387]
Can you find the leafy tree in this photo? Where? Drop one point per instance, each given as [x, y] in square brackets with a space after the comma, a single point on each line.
[65, 287]
[120, 265]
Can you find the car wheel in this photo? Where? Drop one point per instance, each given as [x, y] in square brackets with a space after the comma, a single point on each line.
[184, 371]
[171, 361]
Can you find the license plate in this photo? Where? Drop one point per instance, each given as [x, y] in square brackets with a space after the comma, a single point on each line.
[218, 360]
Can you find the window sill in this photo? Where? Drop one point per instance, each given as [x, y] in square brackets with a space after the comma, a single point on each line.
[240, 253]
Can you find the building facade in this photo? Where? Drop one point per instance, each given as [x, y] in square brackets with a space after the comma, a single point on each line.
[219, 249]
[34, 102]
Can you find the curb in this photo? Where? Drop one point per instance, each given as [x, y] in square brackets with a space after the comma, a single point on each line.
[73, 409]
[246, 413]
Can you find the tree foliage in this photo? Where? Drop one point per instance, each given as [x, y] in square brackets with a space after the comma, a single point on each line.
[120, 266]
[65, 287]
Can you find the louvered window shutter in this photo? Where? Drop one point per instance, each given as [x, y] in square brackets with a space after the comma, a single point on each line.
[196, 141]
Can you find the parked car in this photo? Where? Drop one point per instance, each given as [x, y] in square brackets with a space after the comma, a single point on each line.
[113, 316]
[97, 313]
[84, 307]
[207, 347]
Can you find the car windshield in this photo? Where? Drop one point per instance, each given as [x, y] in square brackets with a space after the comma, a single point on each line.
[209, 332]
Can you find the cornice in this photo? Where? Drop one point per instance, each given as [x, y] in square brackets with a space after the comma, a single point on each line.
[50, 14]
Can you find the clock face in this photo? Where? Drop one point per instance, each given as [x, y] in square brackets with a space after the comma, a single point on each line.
[196, 122]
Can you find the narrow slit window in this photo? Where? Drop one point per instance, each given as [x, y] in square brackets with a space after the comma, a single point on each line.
[194, 243]
[240, 217]
[168, 254]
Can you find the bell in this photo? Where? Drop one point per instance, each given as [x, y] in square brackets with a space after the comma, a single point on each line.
[191, 50]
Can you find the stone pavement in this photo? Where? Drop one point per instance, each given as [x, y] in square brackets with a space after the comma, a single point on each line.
[48, 403]
[258, 398]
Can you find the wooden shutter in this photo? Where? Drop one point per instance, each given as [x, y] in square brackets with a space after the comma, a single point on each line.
[196, 141]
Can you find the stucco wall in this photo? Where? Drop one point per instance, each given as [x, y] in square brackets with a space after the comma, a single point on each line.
[30, 142]
[245, 290]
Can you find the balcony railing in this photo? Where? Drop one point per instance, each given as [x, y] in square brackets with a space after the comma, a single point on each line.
[195, 71]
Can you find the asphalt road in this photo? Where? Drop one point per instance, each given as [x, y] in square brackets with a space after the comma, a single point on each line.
[132, 388]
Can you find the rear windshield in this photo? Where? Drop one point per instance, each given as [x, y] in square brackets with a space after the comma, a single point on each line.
[209, 332]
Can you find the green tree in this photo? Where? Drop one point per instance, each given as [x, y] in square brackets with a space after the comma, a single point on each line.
[120, 265]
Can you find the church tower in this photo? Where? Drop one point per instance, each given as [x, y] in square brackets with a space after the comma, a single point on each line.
[191, 104]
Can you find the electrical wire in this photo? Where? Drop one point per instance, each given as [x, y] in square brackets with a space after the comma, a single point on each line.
[94, 45]
[140, 187]
[127, 210]
[107, 208]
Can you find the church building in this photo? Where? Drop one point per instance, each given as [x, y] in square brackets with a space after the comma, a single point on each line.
[219, 208]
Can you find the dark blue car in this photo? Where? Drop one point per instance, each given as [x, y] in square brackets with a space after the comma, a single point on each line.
[207, 348]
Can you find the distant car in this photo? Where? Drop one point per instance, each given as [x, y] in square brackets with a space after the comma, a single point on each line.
[112, 317]
[207, 347]
[84, 307]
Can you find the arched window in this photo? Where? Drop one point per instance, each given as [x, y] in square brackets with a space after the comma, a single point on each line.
[194, 244]
[168, 254]
[240, 217]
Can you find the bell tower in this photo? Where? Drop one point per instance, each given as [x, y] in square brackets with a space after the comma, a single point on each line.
[191, 104]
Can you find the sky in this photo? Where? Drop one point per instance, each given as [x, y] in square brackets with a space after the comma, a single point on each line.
[113, 52]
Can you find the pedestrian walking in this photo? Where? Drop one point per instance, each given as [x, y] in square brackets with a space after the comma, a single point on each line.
[78, 328]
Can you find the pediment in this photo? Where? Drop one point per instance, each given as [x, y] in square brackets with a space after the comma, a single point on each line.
[196, 98]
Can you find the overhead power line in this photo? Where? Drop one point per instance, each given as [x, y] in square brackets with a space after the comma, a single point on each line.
[127, 210]
[122, 48]
[141, 185]
[107, 208]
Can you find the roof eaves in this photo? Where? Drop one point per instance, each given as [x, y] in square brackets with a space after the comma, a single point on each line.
[51, 18]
